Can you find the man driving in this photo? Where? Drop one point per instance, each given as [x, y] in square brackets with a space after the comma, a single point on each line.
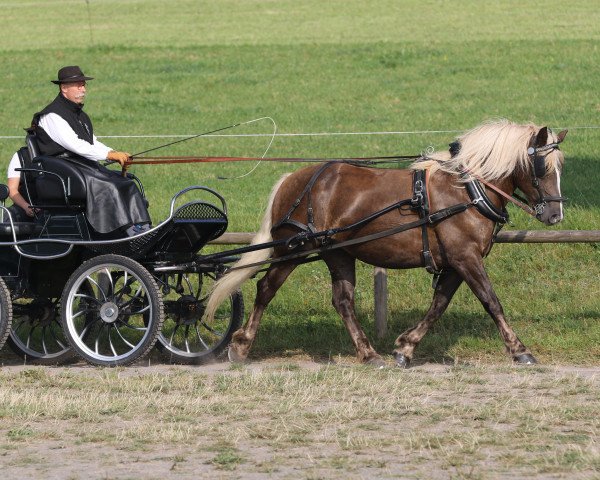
[63, 129]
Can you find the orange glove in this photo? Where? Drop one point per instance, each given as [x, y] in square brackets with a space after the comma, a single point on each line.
[120, 157]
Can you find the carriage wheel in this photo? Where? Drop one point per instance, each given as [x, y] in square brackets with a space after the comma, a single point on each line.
[111, 311]
[185, 338]
[37, 335]
[5, 312]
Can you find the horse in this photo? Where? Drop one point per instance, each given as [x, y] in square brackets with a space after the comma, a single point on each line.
[500, 155]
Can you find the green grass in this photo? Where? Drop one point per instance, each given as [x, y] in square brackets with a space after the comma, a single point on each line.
[186, 67]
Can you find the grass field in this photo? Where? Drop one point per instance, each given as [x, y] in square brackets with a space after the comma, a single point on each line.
[438, 67]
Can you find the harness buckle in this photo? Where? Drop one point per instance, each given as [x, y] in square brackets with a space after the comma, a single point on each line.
[539, 208]
[417, 199]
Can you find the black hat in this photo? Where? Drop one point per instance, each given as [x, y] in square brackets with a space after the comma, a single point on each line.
[70, 74]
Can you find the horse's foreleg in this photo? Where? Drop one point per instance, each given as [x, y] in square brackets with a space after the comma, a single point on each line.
[445, 289]
[343, 280]
[266, 289]
[476, 277]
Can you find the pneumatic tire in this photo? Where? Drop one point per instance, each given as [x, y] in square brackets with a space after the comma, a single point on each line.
[111, 311]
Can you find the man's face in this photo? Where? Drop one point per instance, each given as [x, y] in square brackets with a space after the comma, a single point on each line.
[74, 91]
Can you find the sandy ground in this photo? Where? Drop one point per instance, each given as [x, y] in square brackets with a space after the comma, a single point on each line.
[62, 457]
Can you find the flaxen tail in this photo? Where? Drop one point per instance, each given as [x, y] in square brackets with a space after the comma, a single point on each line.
[232, 281]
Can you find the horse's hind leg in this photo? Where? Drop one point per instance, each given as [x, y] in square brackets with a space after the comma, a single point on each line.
[343, 278]
[445, 289]
[266, 289]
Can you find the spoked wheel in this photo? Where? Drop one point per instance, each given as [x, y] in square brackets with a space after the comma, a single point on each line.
[111, 310]
[5, 312]
[37, 334]
[185, 338]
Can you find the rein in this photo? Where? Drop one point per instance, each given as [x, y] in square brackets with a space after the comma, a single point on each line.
[170, 160]
[432, 219]
[523, 206]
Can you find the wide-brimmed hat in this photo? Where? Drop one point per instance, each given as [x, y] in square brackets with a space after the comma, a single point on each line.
[70, 74]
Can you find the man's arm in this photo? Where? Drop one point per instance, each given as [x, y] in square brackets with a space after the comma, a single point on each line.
[16, 197]
[60, 131]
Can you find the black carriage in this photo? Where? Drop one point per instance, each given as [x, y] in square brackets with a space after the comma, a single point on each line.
[65, 289]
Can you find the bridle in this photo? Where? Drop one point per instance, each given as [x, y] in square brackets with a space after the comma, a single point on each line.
[538, 156]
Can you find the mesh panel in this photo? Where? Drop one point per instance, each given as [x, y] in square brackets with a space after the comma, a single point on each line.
[199, 211]
[135, 247]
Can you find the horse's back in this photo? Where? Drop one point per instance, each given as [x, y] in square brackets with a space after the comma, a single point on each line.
[340, 193]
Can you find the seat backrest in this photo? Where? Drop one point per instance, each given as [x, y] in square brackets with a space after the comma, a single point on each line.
[32, 145]
[49, 187]
[3, 193]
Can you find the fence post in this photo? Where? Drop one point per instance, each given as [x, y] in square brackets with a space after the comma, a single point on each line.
[381, 300]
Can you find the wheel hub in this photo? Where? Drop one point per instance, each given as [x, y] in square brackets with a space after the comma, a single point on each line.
[109, 312]
[189, 310]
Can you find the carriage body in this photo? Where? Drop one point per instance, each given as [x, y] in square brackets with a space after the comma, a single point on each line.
[69, 289]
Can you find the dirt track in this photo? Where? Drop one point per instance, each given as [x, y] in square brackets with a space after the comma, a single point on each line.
[295, 418]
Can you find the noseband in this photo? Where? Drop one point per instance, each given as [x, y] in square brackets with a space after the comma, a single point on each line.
[538, 159]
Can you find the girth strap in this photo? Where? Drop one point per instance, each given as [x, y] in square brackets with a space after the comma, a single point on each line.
[420, 202]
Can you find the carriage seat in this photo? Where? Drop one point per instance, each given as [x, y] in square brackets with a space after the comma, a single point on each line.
[59, 178]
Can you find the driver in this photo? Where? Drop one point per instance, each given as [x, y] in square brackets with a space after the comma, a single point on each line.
[63, 129]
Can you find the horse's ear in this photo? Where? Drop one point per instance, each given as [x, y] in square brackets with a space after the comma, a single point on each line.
[561, 136]
[541, 137]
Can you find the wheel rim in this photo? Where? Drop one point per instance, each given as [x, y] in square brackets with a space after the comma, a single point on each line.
[36, 330]
[107, 313]
[6, 313]
[184, 334]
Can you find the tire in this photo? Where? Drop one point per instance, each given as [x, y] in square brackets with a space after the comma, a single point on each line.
[5, 312]
[185, 338]
[111, 311]
[37, 334]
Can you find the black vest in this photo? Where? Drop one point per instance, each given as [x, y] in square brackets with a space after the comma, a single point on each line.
[73, 114]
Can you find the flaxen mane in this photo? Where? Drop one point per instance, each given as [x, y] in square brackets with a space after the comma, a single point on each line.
[491, 151]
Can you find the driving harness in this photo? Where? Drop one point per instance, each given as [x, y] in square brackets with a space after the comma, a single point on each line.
[419, 202]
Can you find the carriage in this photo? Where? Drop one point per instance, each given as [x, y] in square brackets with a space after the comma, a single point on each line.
[66, 290]
[110, 299]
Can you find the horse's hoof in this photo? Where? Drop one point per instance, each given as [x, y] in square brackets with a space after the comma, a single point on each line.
[402, 360]
[525, 359]
[376, 362]
[235, 357]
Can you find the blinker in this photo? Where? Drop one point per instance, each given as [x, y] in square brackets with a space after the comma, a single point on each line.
[539, 166]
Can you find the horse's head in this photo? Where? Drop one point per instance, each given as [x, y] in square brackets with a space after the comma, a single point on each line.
[540, 179]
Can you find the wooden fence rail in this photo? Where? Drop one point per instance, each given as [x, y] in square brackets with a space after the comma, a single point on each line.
[380, 274]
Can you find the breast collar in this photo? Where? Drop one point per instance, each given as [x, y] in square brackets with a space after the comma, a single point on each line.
[482, 202]
[477, 194]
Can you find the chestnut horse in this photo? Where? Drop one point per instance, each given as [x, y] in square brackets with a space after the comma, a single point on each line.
[501, 155]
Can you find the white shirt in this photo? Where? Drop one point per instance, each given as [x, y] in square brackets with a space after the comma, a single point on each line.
[13, 165]
[59, 130]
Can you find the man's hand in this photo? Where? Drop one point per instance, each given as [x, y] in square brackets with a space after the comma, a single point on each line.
[121, 157]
